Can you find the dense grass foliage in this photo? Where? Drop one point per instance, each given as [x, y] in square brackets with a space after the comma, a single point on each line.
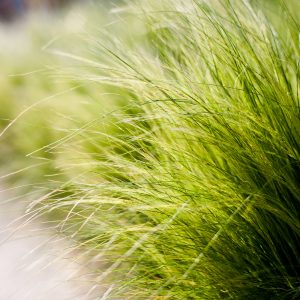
[188, 186]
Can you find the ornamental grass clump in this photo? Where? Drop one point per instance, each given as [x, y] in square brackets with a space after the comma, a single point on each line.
[190, 190]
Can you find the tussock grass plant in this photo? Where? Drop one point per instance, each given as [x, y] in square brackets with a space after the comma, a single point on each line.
[193, 192]
[191, 189]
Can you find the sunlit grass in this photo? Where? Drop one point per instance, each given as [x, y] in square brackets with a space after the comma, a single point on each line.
[188, 187]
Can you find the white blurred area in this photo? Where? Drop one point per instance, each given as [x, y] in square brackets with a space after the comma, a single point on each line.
[32, 34]
[37, 264]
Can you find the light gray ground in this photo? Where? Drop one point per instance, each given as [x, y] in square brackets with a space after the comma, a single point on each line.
[33, 261]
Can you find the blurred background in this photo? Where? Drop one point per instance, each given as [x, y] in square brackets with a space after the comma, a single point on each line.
[13, 9]
[36, 262]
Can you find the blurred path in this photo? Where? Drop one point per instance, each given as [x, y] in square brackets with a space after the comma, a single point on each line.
[33, 264]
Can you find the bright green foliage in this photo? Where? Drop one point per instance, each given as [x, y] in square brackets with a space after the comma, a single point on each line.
[190, 189]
